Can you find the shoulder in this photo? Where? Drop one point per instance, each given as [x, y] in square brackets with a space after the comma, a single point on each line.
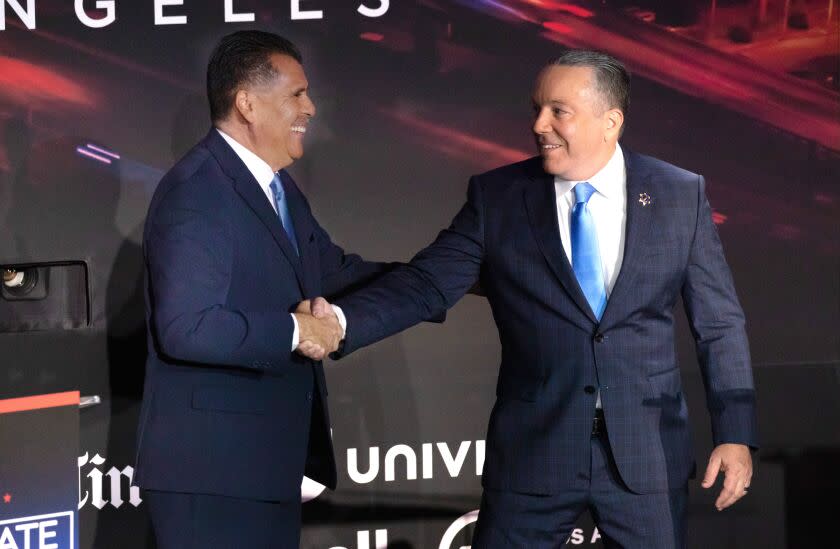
[513, 172]
[195, 180]
[511, 178]
[660, 170]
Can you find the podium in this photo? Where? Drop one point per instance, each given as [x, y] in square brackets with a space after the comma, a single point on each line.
[39, 448]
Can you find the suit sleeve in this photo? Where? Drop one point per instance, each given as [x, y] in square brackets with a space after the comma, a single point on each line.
[342, 272]
[717, 323]
[435, 279]
[189, 250]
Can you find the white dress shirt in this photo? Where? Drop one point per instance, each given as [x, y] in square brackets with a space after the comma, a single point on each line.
[264, 175]
[608, 207]
[258, 167]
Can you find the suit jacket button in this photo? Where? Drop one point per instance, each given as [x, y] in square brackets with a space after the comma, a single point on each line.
[599, 337]
[309, 395]
[589, 389]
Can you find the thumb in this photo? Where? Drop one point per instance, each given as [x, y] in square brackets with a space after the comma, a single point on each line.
[320, 307]
[712, 471]
[303, 307]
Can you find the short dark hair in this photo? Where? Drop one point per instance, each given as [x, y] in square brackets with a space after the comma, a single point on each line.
[242, 57]
[611, 76]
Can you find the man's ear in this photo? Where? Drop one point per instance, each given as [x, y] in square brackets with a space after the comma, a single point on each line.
[243, 105]
[615, 120]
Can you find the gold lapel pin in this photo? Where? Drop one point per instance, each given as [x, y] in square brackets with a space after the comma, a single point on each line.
[644, 199]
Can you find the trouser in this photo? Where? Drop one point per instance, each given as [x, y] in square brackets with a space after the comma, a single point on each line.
[510, 520]
[193, 521]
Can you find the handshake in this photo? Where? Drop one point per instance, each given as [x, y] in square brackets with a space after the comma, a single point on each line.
[319, 331]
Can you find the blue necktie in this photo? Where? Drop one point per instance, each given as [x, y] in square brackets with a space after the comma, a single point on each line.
[283, 210]
[586, 257]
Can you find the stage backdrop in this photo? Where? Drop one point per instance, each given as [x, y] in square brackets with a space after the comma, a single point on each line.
[99, 98]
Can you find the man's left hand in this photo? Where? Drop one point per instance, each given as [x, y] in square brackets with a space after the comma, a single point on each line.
[736, 463]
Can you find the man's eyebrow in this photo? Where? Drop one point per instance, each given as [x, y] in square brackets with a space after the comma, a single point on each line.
[550, 101]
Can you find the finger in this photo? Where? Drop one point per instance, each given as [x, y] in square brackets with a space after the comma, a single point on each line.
[736, 492]
[321, 307]
[733, 485]
[318, 351]
[306, 348]
[712, 471]
[334, 345]
[304, 307]
[311, 350]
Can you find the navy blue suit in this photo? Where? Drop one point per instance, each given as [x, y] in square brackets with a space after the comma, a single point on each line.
[554, 351]
[228, 408]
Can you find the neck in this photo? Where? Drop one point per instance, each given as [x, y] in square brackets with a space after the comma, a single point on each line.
[602, 163]
[243, 135]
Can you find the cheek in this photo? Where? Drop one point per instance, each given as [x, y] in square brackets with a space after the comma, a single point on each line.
[290, 111]
[565, 130]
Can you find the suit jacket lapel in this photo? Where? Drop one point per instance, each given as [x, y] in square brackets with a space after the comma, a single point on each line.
[248, 188]
[637, 227]
[541, 203]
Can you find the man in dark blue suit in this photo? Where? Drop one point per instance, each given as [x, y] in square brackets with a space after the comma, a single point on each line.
[582, 253]
[232, 417]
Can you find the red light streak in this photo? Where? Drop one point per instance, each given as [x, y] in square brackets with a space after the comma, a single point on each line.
[27, 81]
[558, 27]
[372, 36]
[127, 64]
[563, 6]
[454, 142]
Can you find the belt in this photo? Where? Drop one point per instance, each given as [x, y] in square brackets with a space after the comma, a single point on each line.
[599, 426]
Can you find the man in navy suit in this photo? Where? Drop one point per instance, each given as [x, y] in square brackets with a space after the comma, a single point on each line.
[583, 252]
[232, 418]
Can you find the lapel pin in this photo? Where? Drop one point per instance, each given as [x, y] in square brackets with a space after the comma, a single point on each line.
[644, 199]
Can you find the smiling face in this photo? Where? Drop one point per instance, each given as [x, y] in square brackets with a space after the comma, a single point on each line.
[575, 131]
[279, 112]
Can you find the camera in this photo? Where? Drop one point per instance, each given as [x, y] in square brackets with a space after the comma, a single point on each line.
[24, 283]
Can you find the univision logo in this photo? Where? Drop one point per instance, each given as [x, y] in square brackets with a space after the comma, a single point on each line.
[453, 462]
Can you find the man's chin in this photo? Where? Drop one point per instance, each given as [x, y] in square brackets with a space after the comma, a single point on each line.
[552, 167]
[296, 154]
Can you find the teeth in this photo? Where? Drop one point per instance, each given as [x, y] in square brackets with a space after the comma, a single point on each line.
[551, 146]
[299, 129]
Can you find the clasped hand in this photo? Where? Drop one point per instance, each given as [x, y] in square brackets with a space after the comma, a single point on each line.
[319, 332]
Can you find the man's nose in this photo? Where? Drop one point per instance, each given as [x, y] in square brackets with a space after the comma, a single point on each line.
[309, 107]
[541, 123]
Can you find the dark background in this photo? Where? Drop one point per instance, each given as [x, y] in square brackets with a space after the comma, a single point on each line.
[411, 104]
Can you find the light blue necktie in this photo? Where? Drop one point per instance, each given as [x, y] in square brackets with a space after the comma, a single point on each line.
[586, 257]
[283, 210]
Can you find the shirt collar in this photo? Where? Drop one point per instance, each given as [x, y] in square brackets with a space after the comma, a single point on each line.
[609, 181]
[258, 167]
